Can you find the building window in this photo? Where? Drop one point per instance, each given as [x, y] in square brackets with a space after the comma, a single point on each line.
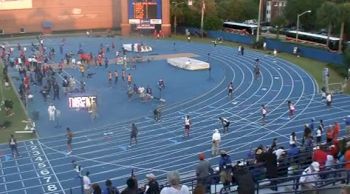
[21, 30]
[2, 31]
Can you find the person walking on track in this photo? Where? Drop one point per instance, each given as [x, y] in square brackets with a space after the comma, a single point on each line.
[69, 135]
[187, 126]
[133, 134]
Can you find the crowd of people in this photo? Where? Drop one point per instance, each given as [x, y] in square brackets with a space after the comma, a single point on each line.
[310, 156]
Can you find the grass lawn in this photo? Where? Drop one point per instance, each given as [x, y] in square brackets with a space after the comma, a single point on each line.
[16, 119]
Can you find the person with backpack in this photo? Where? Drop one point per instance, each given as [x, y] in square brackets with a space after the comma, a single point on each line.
[110, 189]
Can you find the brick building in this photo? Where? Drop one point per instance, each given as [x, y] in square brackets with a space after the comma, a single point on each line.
[22, 16]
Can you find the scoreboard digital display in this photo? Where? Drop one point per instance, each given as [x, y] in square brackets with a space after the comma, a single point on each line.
[145, 10]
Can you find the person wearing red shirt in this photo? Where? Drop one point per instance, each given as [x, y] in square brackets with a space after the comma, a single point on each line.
[319, 156]
[336, 130]
[347, 156]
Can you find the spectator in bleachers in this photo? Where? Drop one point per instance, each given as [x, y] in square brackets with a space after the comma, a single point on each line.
[283, 164]
[330, 163]
[320, 156]
[309, 177]
[329, 134]
[293, 151]
[243, 178]
[259, 154]
[203, 170]
[336, 130]
[307, 134]
[199, 189]
[347, 125]
[293, 139]
[225, 168]
[152, 186]
[319, 135]
[347, 156]
[270, 160]
[110, 189]
[175, 184]
[279, 152]
[87, 183]
[96, 189]
[131, 186]
[345, 189]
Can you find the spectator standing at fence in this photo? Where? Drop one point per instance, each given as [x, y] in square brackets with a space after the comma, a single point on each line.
[132, 187]
[203, 171]
[347, 156]
[225, 168]
[133, 134]
[188, 124]
[174, 181]
[270, 160]
[347, 125]
[216, 139]
[309, 178]
[13, 146]
[87, 183]
[110, 189]
[293, 139]
[319, 135]
[96, 189]
[152, 187]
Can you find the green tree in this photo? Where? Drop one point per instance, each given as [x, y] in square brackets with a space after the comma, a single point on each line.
[324, 17]
[295, 7]
[344, 19]
[278, 22]
[238, 10]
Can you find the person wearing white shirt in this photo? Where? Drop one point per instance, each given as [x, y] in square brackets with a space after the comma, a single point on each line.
[175, 186]
[187, 126]
[329, 99]
[51, 110]
[309, 177]
[87, 183]
[216, 138]
[279, 152]
[293, 139]
[319, 135]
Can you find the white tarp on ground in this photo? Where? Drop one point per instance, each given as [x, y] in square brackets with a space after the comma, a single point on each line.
[188, 63]
[137, 47]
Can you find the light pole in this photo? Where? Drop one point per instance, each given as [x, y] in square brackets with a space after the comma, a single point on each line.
[175, 13]
[297, 35]
[259, 21]
[202, 17]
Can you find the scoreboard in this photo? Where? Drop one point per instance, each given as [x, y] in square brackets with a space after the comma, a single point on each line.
[145, 13]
